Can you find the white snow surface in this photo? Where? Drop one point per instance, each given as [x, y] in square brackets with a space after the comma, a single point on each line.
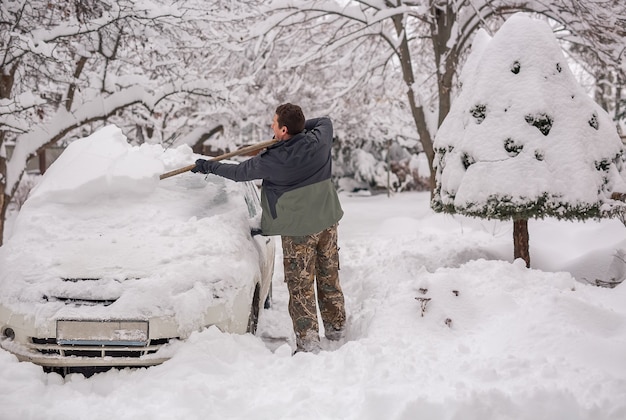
[102, 164]
[495, 341]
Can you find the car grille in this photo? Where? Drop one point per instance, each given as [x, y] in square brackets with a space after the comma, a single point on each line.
[79, 302]
[50, 347]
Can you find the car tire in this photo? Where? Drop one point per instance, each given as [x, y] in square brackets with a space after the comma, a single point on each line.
[268, 298]
[253, 318]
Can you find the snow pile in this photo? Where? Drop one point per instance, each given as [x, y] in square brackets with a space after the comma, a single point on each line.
[101, 164]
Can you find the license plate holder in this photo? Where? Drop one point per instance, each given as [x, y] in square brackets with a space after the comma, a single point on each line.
[102, 332]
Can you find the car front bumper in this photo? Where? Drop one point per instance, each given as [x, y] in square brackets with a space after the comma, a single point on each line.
[87, 343]
[47, 343]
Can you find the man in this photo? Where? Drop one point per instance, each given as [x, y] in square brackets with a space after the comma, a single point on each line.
[301, 205]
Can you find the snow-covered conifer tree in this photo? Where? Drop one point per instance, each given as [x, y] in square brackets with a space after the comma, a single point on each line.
[523, 139]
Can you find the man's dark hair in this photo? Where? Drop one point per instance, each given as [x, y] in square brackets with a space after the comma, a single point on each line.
[290, 116]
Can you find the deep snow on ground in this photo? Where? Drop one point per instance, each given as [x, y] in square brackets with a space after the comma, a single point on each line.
[496, 340]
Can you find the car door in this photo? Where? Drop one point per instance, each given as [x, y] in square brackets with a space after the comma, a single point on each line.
[265, 244]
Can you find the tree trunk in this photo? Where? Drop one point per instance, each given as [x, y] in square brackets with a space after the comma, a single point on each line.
[520, 240]
[441, 31]
[417, 110]
[4, 197]
[7, 79]
[3, 212]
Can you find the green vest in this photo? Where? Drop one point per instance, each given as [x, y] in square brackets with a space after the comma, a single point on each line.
[303, 211]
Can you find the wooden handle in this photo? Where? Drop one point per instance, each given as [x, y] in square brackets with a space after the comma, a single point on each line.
[177, 171]
[242, 151]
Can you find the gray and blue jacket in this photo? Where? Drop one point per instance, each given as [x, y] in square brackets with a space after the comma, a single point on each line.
[297, 196]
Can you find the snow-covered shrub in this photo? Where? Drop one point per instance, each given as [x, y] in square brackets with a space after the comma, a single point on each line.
[523, 139]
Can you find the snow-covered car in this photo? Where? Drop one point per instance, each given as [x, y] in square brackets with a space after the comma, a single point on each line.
[107, 265]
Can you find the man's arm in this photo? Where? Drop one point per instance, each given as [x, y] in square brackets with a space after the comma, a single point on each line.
[322, 123]
[321, 128]
[246, 171]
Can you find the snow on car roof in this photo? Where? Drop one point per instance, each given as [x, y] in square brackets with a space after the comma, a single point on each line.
[100, 213]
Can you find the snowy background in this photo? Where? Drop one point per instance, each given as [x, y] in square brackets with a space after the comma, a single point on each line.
[495, 340]
[520, 344]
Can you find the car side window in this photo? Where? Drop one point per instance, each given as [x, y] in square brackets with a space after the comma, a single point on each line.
[252, 199]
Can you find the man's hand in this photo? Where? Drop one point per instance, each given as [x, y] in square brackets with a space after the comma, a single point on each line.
[204, 166]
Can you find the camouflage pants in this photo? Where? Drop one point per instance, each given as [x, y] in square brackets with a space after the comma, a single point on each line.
[306, 259]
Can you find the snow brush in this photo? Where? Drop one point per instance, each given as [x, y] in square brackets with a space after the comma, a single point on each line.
[242, 151]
